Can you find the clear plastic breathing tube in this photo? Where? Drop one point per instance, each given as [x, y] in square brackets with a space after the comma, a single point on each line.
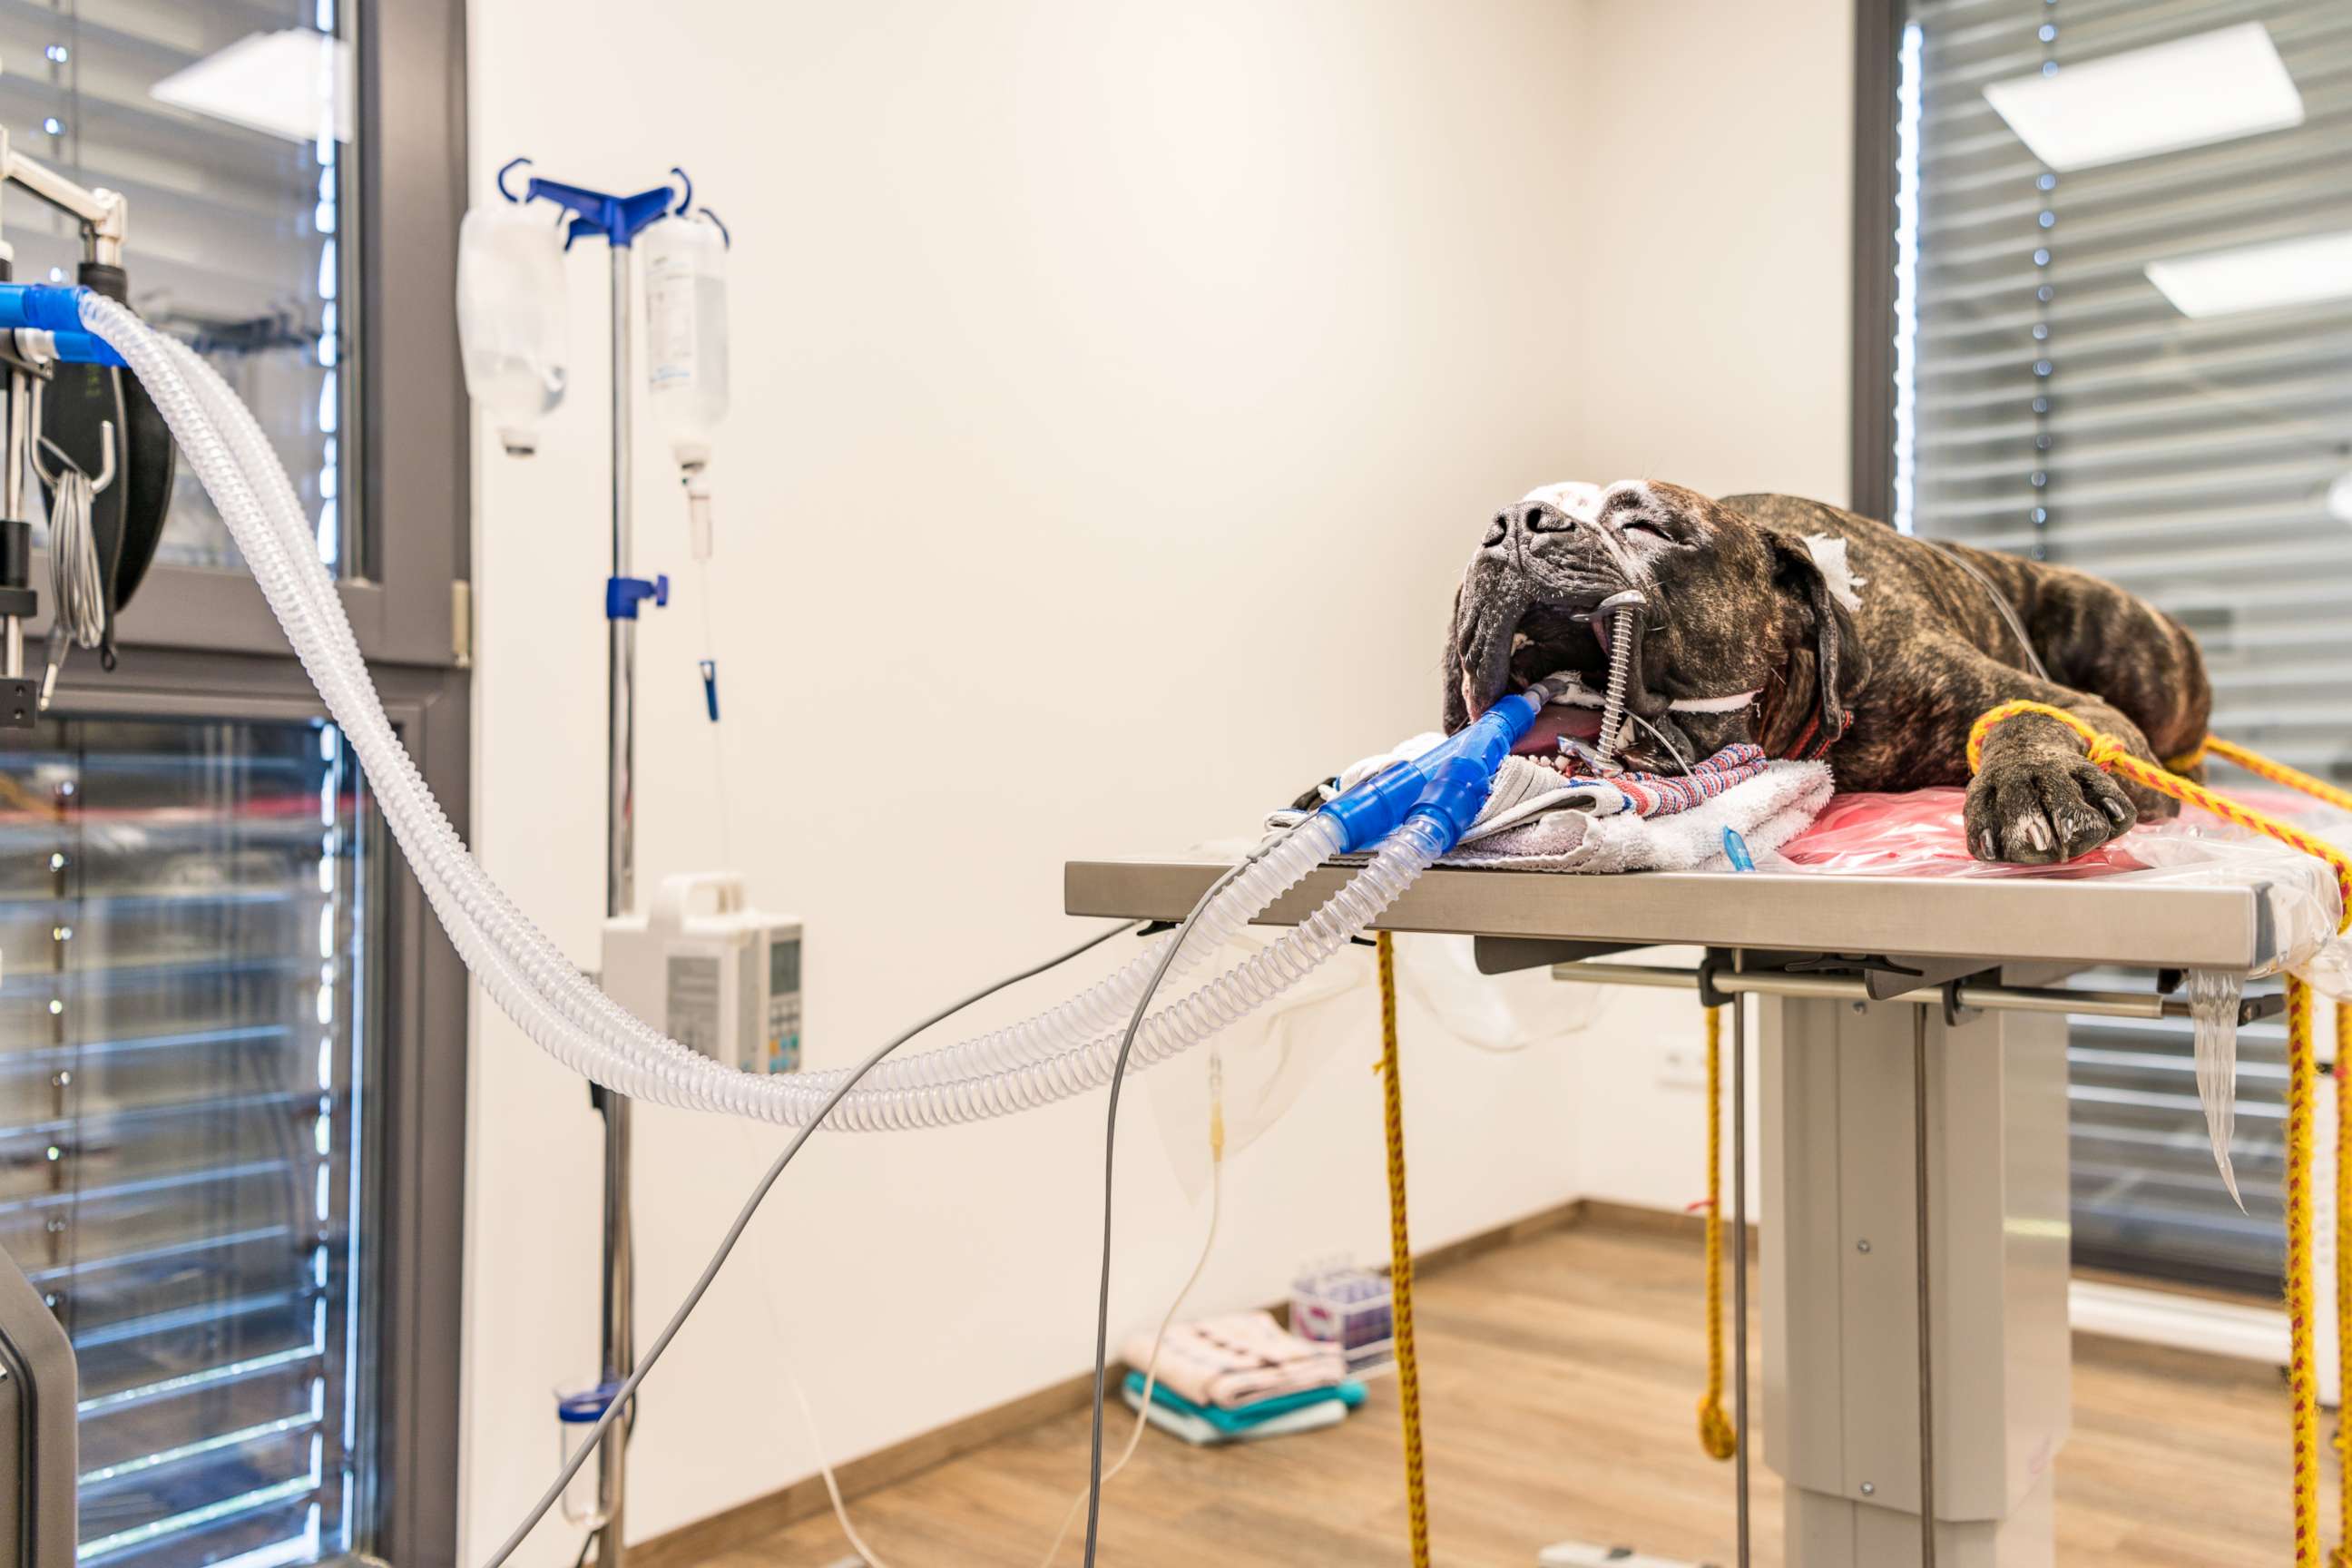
[1058, 1053]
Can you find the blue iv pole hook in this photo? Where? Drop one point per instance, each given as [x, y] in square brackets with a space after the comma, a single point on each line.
[508, 167]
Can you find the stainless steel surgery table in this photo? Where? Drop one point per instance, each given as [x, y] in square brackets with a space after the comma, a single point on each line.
[1850, 1077]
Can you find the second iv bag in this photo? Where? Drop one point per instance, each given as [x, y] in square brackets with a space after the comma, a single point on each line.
[513, 320]
[685, 261]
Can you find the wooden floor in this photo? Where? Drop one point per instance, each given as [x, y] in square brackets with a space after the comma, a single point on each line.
[1560, 1379]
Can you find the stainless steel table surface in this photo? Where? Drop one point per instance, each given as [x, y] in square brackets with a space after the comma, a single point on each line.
[2072, 921]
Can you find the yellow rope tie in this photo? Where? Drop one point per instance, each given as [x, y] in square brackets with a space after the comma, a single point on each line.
[2111, 755]
[2302, 1380]
[1715, 1433]
[2264, 767]
[1416, 1493]
[2342, 1557]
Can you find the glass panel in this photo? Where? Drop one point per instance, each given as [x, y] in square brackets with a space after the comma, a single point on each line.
[239, 235]
[2060, 393]
[185, 909]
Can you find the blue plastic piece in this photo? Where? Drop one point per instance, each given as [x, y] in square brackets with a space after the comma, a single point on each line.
[710, 688]
[587, 1406]
[622, 594]
[1451, 779]
[82, 348]
[51, 307]
[1735, 849]
[615, 219]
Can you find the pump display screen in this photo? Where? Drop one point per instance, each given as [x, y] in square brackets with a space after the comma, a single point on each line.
[784, 966]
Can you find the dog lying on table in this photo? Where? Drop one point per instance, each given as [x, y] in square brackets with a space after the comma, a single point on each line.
[1812, 632]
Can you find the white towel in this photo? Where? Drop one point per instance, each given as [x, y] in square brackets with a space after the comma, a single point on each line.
[1767, 811]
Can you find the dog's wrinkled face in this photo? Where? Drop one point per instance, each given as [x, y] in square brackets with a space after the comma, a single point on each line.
[1729, 606]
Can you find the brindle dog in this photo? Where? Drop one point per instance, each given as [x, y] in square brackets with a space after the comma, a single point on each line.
[1870, 648]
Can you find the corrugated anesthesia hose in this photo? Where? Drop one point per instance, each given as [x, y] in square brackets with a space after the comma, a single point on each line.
[1061, 1052]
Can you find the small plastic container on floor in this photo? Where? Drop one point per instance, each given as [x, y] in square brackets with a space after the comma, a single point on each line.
[1338, 1304]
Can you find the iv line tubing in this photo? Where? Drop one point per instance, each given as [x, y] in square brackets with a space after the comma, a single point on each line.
[621, 1396]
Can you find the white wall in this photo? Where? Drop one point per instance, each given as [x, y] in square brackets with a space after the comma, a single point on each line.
[1720, 146]
[1715, 338]
[1118, 388]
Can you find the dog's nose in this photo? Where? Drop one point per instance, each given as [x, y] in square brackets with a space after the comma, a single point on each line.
[1524, 519]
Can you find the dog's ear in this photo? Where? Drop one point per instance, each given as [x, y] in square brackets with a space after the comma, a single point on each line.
[1814, 570]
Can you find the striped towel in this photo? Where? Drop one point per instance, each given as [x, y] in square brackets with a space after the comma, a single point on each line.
[1661, 794]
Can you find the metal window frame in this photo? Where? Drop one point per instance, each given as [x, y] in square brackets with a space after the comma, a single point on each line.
[1877, 27]
[413, 445]
[419, 1125]
[203, 644]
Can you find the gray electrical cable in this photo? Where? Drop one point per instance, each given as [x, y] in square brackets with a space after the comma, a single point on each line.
[77, 580]
[1110, 1164]
[627, 1390]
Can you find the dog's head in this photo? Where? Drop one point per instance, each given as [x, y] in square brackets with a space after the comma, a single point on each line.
[1745, 632]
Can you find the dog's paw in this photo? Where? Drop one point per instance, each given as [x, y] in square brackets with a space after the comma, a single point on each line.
[2035, 810]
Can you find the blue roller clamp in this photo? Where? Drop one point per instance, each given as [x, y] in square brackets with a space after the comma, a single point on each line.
[710, 687]
[622, 596]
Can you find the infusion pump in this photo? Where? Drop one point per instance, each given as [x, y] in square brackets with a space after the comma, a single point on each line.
[710, 972]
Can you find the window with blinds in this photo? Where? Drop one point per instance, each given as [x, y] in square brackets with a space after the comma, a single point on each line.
[185, 913]
[2122, 341]
[225, 124]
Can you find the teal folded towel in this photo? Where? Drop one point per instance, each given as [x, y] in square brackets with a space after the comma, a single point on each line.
[1242, 1417]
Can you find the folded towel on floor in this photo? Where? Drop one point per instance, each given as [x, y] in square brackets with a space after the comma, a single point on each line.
[1203, 1434]
[1241, 1419]
[1238, 1359]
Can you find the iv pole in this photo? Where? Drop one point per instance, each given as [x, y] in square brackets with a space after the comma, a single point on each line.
[617, 220]
[617, 1339]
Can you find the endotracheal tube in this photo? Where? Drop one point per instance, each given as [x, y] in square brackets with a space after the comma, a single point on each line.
[1408, 815]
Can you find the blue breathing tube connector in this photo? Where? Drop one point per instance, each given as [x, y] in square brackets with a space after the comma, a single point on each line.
[1447, 783]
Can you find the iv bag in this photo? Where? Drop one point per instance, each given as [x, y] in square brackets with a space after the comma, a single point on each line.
[513, 321]
[685, 260]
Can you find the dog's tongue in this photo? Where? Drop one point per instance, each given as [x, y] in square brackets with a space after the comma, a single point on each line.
[1542, 738]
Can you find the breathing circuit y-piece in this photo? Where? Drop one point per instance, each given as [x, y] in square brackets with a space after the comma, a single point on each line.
[1452, 778]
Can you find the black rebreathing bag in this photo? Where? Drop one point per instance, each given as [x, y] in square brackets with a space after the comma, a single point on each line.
[127, 517]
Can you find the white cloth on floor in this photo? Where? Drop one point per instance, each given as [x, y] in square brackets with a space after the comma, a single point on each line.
[1238, 1359]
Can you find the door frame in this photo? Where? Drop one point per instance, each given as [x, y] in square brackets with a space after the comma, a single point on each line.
[416, 1171]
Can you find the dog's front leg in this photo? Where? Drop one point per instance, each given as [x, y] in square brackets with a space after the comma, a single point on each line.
[2039, 798]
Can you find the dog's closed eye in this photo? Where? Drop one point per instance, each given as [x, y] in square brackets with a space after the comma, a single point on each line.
[1643, 525]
